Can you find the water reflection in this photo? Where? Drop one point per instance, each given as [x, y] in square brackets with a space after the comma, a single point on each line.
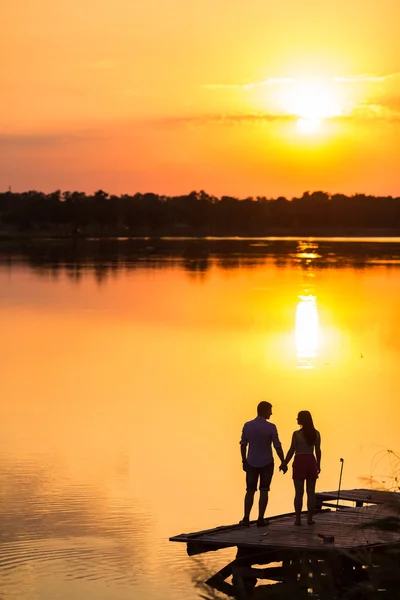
[307, 331]
[76, 526]
[307, 321]
[105, 258]
[307, 251]
[122, 402]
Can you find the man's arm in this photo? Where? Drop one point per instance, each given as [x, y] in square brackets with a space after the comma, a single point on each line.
[279, 452]
[243, 449]
[277, 445]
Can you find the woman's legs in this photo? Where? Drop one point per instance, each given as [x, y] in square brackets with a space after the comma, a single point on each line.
[298, 498]
[310, 486]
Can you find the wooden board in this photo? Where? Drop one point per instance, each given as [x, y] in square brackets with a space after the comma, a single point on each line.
[362, 495]
[345, 525]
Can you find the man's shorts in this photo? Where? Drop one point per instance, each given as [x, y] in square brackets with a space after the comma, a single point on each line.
[253, 474]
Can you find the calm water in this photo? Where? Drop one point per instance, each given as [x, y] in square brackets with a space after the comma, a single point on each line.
[127, 371]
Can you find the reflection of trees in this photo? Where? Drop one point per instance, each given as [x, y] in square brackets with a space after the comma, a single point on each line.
[196, 213]
[107, 258]
[196, 266]
[43, 520]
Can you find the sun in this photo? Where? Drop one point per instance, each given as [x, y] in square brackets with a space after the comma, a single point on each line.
[312, 101]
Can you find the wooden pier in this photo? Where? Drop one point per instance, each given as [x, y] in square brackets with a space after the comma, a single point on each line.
[339, 549]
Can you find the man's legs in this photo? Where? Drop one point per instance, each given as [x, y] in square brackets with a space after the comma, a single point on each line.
[248, 503]
[262, 504]
[251, 486]
[265, 482]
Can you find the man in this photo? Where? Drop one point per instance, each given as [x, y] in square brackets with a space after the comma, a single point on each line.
[258, 463]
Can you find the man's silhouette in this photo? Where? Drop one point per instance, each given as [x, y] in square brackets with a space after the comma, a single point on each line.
[258, 462]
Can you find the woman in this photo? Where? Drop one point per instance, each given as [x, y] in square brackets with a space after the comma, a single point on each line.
[306, 466]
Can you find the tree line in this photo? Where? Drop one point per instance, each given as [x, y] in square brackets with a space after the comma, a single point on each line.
[197, 213]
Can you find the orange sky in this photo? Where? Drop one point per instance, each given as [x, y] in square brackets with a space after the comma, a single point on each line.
[244, 98]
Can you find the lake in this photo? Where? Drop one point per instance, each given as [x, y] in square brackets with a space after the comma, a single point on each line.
[128, 368]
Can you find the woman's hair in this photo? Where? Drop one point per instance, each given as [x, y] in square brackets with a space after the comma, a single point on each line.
[305, 419]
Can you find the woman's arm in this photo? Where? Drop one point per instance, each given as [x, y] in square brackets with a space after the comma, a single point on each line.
[291, 450]
[318, 451]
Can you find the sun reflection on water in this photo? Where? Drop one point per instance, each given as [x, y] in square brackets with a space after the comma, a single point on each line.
[307, 331]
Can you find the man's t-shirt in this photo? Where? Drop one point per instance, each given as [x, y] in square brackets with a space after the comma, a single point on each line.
[260, 434]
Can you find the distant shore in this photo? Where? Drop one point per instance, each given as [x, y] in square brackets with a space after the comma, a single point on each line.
[7, 236]
[76, 215]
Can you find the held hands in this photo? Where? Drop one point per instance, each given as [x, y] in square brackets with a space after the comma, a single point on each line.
[283, 467]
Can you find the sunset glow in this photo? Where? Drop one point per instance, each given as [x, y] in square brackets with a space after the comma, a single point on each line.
[173, 97]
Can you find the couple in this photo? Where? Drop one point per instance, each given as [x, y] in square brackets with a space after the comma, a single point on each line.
[258, 436]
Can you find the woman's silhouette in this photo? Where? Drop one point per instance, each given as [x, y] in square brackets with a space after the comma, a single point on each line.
[306, 465]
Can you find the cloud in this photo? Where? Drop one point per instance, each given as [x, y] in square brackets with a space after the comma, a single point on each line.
[248, 86]
[31, 140]
[380, 100]
[361, 112]
[359, 78]
[225, 119]
[366, 78]
[389, 102]
[373, 111]
[380, 103]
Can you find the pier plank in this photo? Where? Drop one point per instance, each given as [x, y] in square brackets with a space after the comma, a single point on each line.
[338, 550]
[361, 496]
[345, 525]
